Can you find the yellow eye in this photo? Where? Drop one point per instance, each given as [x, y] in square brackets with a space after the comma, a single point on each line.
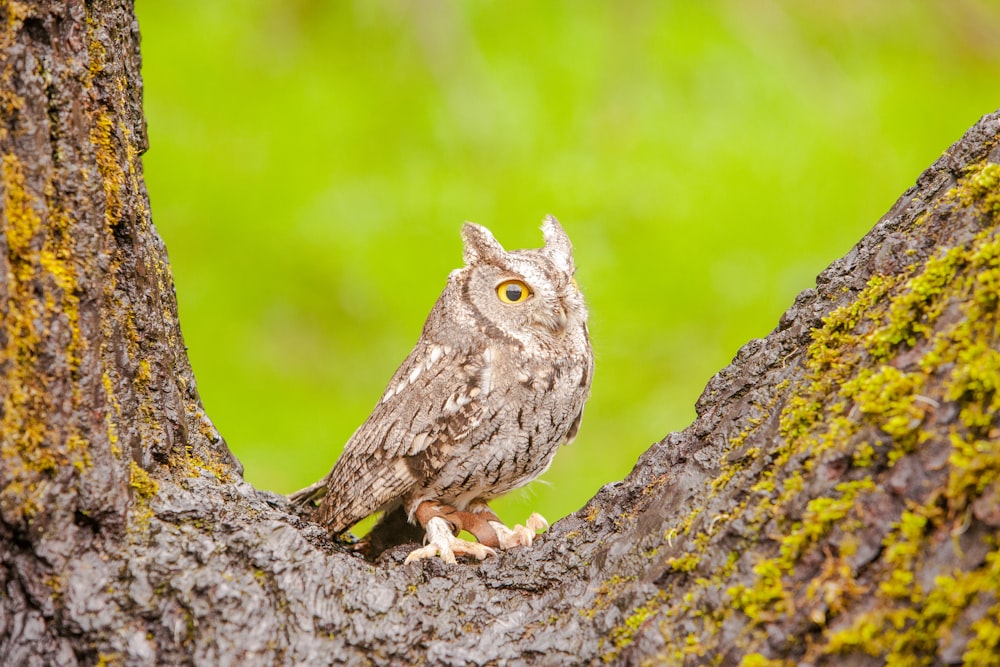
[513, 291]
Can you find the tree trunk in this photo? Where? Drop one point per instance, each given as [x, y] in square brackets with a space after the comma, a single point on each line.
[837, 500]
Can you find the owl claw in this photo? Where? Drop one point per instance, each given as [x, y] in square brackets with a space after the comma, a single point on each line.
[440, 541]
[519, 536]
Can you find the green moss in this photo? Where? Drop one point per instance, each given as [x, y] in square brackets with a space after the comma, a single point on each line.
[975, 382]
[863, 455]
[767, 597]
[906, 629]
[890, 398]
[980, 188]
[605, 594]
[685, 563]
[820, 515]
[836, 585]
[974, 466]
[908, 623]
[622, 636]
[912, 314]
[902, 549]
[844, 327]
[857, 377]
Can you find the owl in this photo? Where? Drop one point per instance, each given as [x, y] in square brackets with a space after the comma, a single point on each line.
[495, 384]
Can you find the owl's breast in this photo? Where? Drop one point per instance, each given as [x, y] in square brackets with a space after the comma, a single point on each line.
[531, 406]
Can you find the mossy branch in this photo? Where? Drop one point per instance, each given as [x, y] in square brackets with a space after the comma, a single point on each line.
[836, 499]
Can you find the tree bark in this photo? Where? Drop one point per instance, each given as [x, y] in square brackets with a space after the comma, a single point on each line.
[836, 501]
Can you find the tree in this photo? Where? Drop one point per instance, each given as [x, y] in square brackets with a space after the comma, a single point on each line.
[837, 500]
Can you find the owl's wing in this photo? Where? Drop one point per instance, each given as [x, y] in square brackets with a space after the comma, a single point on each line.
[434, 401]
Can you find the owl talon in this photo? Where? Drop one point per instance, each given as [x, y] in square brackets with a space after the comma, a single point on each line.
[519, 536]
[440, 541]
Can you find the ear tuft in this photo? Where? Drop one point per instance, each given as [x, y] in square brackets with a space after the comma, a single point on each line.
[557, 245]
[479, 244]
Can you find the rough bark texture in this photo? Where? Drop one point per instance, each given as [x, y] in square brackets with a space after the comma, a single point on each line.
[837, 500]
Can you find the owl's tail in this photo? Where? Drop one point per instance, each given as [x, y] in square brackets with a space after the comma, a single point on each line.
[308, 497]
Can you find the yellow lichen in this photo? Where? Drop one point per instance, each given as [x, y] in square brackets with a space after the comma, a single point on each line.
[112, 175]
[143, 488]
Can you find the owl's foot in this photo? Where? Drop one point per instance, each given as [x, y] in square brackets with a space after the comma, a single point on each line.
[441, 541]
[519, 536]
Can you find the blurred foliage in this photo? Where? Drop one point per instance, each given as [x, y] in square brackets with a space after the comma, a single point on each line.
[311, 163]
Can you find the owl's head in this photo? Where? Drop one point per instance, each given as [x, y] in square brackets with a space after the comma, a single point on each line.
[524, 294]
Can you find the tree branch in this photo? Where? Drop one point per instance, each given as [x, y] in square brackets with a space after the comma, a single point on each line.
[835, 502]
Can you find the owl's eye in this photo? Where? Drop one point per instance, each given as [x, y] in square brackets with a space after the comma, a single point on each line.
[513, 291]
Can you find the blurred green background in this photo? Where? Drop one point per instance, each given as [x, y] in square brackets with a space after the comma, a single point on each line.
[311, 164]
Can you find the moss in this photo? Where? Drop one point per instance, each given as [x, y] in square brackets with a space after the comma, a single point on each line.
[912, 314]
[765, 599]
[881, 363]
[686, 563]
[79, 449]
[143, 374]
[907, 621]
[112, 174]
[908, 629]
[56, 260]
[652, 487]
[131, 333]
[41, 289]
[194, 465]
[902, 548]
[758, 660]
[142, 484]
[22, 223]
[622, 636]
[820, 515]
[605, 594]
[975, 382]
[834, 588]
[10, 101]
[112, 420]
[109, 660]
[843, 328]
[974, 465]
[863, 455]
[980, 188]
[144, 488]
[890, 399]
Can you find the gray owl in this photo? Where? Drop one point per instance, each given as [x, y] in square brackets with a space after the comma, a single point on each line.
[496, 383]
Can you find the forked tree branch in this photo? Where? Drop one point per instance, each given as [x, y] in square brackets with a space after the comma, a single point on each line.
[835, 502]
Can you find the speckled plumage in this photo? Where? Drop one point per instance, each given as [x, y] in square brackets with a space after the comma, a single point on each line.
[484, 400]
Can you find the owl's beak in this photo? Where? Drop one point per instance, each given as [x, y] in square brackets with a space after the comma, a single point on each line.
[555, 321]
